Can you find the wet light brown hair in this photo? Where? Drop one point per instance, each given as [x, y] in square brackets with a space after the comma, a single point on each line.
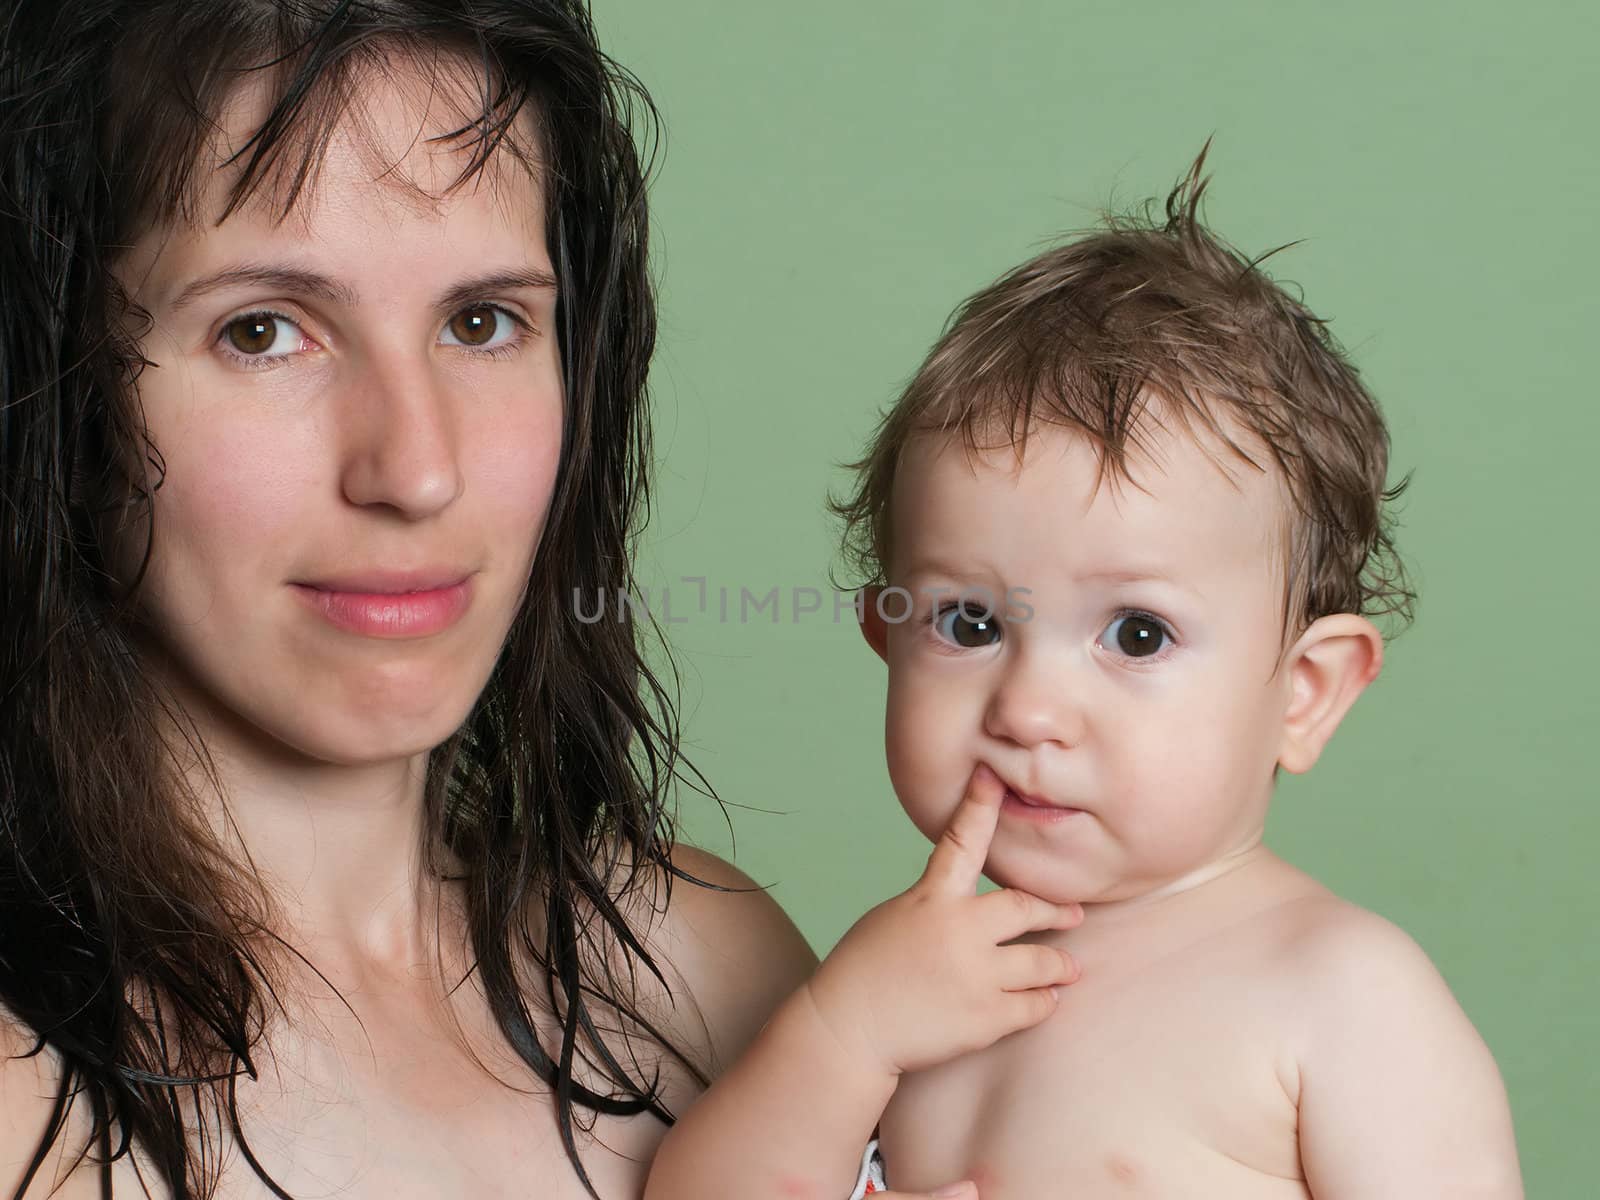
[1158, 311]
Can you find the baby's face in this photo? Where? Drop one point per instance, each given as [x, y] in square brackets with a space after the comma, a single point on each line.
[1137, 713]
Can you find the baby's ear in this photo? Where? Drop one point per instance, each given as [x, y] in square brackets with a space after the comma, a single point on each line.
[873, 627]
[1328, 667]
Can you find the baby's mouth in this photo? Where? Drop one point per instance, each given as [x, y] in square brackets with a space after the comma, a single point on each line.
[1038, 807]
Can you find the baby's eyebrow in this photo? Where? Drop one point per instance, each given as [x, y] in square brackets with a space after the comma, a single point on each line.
[301, 282]
[1129, 576]
[951, 570]
[1125, 575]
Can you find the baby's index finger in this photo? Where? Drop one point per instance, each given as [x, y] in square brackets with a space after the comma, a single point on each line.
[958, 857]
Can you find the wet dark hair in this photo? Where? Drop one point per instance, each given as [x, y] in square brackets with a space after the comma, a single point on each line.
[1156, 306]
[128, 936]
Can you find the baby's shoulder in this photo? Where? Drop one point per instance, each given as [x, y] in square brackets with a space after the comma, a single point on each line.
[1381, 1054]
[1325, 940]
[1346, 968]
[1274, 920]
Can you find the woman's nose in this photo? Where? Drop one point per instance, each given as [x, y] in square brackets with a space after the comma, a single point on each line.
[1036, 700]
[400, 443]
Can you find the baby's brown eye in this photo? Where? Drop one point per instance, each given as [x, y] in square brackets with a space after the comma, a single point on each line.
[968, 626]
[1136, 636]
[254, 334]
[475, 326]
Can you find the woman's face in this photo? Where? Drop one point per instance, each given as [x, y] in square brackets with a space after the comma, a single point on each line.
[359, 410]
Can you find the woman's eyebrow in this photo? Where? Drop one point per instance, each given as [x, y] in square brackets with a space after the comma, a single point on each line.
[297, 281]
[469, 290]
[278, 278]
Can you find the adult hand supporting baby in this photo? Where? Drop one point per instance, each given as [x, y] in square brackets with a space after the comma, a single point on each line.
[930, 974]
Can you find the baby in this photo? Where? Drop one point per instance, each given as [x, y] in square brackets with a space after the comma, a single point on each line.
[1127, 531]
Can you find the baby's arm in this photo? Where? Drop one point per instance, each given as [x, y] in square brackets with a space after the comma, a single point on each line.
[1399, 1096]
[919, 980]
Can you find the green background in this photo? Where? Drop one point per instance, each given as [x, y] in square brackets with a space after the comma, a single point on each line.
[836, 175]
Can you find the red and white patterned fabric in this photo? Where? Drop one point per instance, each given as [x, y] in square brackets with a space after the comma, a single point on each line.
[871, 1178]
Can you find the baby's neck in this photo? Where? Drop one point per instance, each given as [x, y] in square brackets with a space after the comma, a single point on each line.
[1194, 906]
[1169, 893]
[1121, 940]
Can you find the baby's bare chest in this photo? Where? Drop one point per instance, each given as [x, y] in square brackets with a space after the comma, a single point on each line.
[1135, 1087]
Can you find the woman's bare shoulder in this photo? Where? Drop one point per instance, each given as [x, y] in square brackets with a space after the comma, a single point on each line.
[732, 946]
[27, 1089]
[29, 1083]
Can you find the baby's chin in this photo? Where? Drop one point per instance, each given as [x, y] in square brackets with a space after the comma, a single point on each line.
[1058, 887]
[1075, 879]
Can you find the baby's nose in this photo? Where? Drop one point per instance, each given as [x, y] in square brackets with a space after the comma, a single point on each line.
[1035, 702]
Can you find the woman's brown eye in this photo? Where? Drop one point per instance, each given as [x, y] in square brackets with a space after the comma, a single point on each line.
[254, 334]
[475, 326]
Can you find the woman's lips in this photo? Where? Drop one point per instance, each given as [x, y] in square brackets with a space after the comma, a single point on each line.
[386, 610]
[1034, 808]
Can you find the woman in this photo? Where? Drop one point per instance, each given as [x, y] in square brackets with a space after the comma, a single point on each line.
[335, 858]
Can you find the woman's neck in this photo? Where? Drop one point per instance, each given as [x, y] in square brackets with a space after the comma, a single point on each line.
[340, 849]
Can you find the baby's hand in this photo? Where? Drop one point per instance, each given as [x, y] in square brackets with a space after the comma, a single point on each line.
[926, 977]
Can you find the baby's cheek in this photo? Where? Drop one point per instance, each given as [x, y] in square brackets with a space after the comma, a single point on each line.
[912, 764]
[924, 765]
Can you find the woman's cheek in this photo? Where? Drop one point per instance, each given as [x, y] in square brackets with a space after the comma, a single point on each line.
[223, 536]
[517, 465]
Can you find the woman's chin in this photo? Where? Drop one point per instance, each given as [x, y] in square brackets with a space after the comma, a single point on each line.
[312, 736]
[357, 740]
